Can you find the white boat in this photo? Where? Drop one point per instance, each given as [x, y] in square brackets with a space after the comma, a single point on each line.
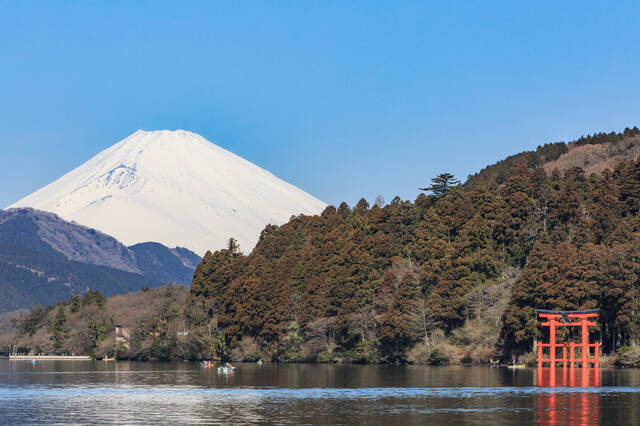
[226, 369]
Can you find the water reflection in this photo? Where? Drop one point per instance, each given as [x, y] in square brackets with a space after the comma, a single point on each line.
[581, 408]
[129, 392]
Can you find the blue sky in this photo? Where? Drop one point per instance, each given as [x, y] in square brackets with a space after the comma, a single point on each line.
[344, 99]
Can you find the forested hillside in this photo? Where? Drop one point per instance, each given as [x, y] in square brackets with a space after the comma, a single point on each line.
[594, 153]
[48, 233]
[28, 277]
[164, 264]
[44, 259]
[139, 325]
[407, 280]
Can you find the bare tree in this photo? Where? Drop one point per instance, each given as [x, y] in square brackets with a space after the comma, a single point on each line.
[417, 321]
[320, 338]
[365, 324]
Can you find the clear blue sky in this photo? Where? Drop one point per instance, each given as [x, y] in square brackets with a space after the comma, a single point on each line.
[344, 99]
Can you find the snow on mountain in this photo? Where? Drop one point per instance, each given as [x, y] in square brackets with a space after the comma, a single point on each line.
[176, 188]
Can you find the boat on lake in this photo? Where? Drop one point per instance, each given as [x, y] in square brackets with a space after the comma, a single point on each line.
[226, 369]
[515, 366]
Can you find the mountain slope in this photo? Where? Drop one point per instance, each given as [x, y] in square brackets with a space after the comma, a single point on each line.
[47, 233]
[597, 157]
[187, 257]
[28, 277]
[176, 188]
[593, 153]
[163, 264]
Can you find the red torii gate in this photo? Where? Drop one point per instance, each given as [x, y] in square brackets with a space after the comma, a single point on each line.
[566, 319]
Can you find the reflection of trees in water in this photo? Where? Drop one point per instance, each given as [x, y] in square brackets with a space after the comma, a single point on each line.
[184, 393]
[237, 408]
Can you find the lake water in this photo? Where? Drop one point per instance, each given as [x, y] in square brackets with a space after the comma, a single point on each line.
[137, 392]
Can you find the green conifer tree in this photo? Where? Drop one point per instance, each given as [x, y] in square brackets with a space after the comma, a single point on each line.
[58, 329]
[441, 184]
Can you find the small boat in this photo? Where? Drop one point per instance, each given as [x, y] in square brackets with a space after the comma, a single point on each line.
[517, 366]
[226, 369]
[109, 359]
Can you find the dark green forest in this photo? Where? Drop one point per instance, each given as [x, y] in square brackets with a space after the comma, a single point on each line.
[374, 283]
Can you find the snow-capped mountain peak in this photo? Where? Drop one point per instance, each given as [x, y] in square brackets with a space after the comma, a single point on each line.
[176, 188]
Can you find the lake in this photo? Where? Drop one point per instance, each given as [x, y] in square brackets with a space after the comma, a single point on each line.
[145, 392]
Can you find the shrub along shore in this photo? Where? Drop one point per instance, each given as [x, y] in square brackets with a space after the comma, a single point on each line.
[152, 324]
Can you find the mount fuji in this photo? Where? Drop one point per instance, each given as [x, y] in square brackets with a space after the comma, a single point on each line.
[175, 188]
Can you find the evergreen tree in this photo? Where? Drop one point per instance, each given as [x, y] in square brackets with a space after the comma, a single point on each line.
[58, 329]
[441, 184]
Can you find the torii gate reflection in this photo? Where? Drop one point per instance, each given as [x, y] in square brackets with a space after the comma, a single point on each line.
[572, 407]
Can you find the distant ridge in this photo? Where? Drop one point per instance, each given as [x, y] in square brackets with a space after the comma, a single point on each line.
[28, 277]
[47, 233]
[44, 259]
[159, 262]
[593, 153]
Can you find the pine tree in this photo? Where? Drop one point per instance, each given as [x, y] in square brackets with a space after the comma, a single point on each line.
[441, 184]
[58, 329]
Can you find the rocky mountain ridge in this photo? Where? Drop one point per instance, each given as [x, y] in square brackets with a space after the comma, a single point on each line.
[45, 259]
